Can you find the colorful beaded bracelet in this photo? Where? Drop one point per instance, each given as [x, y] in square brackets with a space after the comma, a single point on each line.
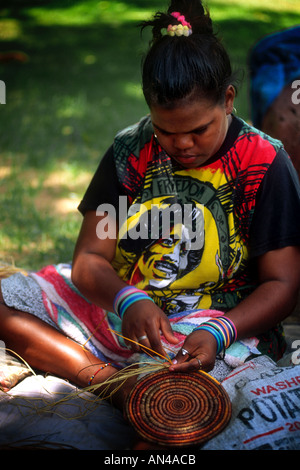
[94, 375]
[126, 297]
[223, 330]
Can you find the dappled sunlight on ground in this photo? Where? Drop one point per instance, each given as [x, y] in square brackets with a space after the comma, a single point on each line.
[72, 76]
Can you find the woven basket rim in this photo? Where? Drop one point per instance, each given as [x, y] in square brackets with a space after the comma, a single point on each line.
[144, 415]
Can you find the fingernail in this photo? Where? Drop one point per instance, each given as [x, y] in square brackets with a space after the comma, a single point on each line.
[174, 361]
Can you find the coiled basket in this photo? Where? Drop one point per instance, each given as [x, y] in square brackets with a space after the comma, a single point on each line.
[178, 409]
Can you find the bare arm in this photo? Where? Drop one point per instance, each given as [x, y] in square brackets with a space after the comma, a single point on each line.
[92, 272]
[276, 295]
[96, 279]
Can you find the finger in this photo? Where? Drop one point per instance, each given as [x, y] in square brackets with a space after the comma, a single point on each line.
[143, 341]
[184, 354]
[168, 332]
[155, 342]
[137, 342]
[192, 364]
[186, 366]
[198, 364]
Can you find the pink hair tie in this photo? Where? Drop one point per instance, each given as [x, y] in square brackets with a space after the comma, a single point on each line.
[182, 29]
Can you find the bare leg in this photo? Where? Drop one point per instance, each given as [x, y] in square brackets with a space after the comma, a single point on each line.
[48, 350]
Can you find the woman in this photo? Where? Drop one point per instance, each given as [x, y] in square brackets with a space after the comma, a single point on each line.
[232, 257]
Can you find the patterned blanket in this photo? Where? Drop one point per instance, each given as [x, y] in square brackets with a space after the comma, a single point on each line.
[99, 330]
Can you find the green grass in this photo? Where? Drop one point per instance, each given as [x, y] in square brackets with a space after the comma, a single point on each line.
[78, 85]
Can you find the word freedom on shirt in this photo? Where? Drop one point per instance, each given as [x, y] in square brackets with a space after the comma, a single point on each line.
[160, 221]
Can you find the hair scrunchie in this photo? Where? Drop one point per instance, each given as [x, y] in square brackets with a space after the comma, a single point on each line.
[184, 28]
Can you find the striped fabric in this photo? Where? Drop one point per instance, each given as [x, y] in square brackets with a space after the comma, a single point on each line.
[99, 330]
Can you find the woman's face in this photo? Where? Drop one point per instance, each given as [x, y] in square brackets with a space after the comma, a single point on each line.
[193, 132]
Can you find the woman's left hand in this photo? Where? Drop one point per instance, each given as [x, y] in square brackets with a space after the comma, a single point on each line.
[198, 352]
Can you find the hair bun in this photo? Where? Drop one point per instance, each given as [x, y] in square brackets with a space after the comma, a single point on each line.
[185, 60]
[193, 13]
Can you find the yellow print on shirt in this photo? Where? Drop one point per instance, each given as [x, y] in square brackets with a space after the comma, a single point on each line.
[181, 243]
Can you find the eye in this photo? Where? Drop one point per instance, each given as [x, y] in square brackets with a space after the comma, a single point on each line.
[165, 133]
[200, 131]
[167, 242]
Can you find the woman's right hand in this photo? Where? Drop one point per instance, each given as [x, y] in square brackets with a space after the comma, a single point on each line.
[143, 323]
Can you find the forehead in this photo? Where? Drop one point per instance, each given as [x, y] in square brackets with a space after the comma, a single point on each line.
[185, 117]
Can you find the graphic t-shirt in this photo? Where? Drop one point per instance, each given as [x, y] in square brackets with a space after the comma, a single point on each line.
[188, 237]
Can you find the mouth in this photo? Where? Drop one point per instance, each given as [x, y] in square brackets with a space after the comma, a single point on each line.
[165, 267]
[186, 158]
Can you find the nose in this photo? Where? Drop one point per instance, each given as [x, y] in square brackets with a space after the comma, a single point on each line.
[183, 141]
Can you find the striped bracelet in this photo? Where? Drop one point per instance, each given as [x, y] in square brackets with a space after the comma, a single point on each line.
[223, 330]
[126, 297]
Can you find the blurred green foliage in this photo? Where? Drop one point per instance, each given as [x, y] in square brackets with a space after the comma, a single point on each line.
[72, 75]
